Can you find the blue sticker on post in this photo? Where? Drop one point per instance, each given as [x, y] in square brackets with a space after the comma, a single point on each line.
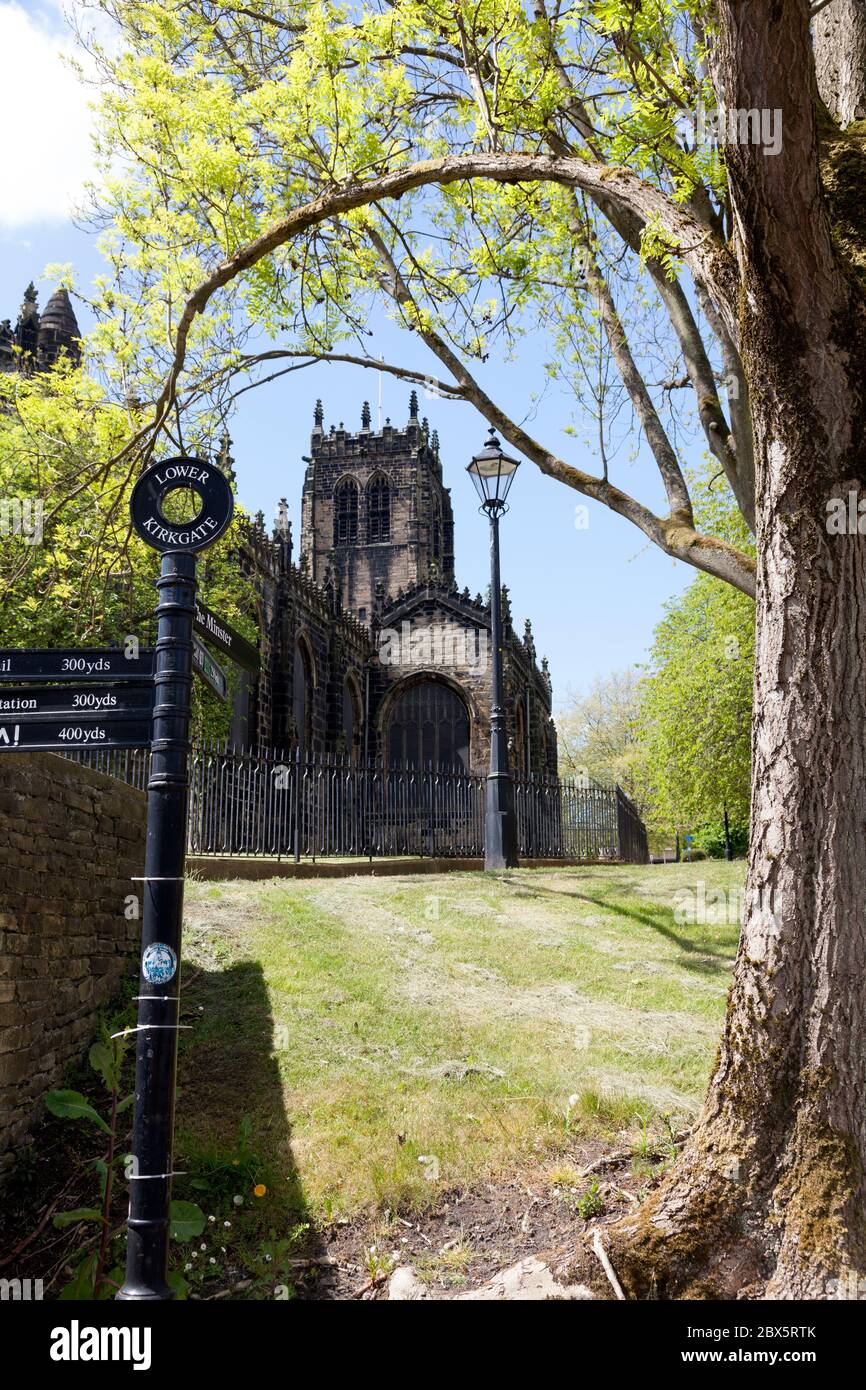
[158, 963]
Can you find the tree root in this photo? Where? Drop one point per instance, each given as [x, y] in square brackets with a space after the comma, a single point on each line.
[724, 1227]
[688, 1240]
[601, 1253]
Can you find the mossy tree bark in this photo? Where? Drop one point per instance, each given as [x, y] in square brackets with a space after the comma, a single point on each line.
[771, 1189]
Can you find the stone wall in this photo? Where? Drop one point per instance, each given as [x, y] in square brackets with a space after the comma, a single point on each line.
[311, 649]
[71, 840]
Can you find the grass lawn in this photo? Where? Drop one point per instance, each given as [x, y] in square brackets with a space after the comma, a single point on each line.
[392, 1038]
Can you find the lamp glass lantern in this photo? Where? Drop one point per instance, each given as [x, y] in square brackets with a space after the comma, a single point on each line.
[492, 472]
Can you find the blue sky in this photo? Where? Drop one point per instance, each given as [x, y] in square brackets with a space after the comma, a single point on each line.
[594, 595]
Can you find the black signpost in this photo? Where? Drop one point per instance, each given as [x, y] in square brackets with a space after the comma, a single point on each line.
[34, 701]
[128, 697]
[167, 794]
[82, 664]
[61, 734]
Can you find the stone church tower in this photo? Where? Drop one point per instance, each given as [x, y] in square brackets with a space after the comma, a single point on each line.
[376, 518]
[37, 340]
[369, 649]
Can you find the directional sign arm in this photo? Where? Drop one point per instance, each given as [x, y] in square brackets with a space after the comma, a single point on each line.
[75, 665]
[223, 636]
[59, 735]
[26, 703]
[209, 670]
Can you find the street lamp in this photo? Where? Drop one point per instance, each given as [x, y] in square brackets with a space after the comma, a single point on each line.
[492, 473]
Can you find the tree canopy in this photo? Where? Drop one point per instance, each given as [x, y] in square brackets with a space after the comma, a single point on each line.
[273, 173]
[598, 735]
[694, 725]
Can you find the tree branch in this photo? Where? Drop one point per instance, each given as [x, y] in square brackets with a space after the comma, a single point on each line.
[675, 535]
[447, 390]
[737, 458]
[698, 247]
[678, 497]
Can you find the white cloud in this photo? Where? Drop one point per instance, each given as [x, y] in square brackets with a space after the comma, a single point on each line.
[45, 155]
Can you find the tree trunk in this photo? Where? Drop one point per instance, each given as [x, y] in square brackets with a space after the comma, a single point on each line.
[840, 59]
[771, 1189]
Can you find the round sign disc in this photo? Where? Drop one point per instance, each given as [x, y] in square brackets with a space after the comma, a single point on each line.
[150, 493]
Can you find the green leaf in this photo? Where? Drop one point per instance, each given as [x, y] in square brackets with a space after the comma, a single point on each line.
[101, 1168]
[73, 1106]
[104, 1059]
[187, 1220]
[80, 1286]
[125, 1103]
[177, 1282]
[71, 1218]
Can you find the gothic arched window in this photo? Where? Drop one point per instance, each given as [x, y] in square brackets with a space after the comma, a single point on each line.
[378, 511]
[519, 759]
[429, 725]
[346, 513]
[351, 717]
[302, 696]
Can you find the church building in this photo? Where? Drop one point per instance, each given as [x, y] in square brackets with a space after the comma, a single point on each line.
[369, 647]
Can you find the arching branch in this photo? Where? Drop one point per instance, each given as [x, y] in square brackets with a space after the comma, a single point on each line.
[698, 247]
[675, 534]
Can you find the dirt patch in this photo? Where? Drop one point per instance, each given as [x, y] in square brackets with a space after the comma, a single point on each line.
[468, 1237]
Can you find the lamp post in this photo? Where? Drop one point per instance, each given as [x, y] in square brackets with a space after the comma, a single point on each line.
[492, 473]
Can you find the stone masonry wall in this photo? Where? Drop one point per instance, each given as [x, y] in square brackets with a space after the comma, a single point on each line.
[70, 841]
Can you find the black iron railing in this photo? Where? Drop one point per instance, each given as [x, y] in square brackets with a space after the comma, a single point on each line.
[270, 804]
[130, 765]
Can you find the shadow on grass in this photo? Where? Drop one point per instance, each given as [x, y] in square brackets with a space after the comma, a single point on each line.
[234, 1142]
[660, 920]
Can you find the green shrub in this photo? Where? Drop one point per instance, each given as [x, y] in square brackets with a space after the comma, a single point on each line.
[710, 837]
